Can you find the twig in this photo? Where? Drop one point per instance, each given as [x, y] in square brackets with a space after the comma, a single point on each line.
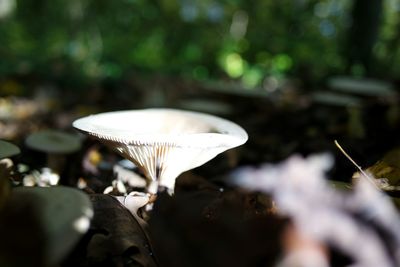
[365, 174]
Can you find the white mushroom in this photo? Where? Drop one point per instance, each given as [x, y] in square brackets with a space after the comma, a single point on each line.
[163, 142]
[134, 201]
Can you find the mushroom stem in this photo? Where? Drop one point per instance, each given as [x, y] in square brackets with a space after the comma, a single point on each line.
[153, 187]
[56, 162]
[6, 166]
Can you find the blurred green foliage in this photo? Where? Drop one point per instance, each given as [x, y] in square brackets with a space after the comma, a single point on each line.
[200, 39]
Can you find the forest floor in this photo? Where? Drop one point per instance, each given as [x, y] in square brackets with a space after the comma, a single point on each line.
[207, 221]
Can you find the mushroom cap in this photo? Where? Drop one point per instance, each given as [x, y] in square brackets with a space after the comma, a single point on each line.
[361, 86]
[164, 142]
[336, 99]
[53, 141]
[163, 126]
[64, 214]
[8, 149]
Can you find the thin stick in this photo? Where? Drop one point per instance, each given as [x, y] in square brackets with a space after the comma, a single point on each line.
[366, 175]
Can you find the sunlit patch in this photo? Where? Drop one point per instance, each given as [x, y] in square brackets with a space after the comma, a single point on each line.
[7, 7]
[82, 224]
[81, 184]
[88, 212]
[282, 62]
[271, 84]
[108, 190]
[252, 77]
[49, 177]
[239, 24]
[234, 65]
[29, 180]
